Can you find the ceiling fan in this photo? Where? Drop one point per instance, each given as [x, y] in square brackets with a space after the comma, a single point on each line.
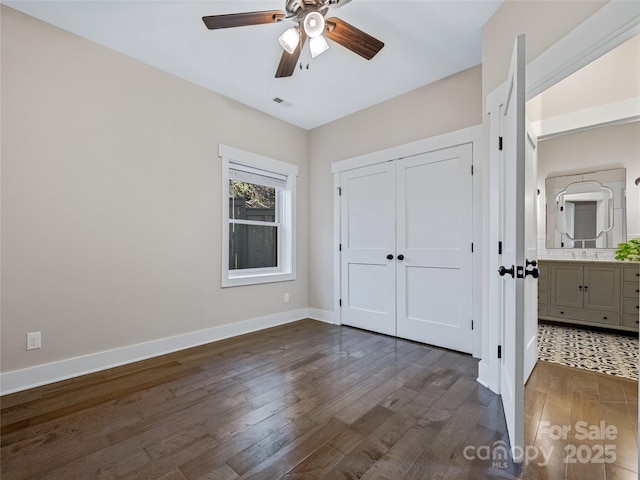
[310, 22]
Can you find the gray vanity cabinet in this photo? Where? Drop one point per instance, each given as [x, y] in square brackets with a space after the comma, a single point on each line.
[631, 296]
[591, 293]
[601, 288]
[565, 282]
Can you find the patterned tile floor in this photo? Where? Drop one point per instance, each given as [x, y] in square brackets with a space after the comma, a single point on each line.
[595, 350]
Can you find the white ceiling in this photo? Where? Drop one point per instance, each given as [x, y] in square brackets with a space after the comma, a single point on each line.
[424, 41]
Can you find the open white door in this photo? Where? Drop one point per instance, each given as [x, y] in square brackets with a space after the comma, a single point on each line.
[531, 253]
[519, 302]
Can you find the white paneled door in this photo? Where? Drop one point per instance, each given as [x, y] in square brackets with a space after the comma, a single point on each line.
[406, 247]
[367, 214]
[433, 216]
[519, 269]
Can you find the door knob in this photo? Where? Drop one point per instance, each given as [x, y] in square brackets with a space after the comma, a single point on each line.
[400, 257]
[502, 271]
[534, 272]
[389, 257]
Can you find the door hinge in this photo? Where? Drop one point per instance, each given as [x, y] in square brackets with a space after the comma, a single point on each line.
[499, 351]
[471, 247]
[340, 303]
[499, 143]
[339, 247]
[500, 248]
[340, 191]
[471, 169]
[471, 324]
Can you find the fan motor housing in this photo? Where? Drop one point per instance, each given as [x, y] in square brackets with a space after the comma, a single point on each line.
[293, 7]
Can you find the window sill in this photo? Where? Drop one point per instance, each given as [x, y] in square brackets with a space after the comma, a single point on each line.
[238, 280]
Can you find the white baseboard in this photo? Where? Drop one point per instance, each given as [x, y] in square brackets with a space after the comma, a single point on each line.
[485, 378]
[18, 380]
[321, 315]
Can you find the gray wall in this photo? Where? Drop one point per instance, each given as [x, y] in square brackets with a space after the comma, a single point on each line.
[111, 199]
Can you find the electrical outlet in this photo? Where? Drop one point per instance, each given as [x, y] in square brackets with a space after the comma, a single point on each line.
[286, 297]
[34, 340]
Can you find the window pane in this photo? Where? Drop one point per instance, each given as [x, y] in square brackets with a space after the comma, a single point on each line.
[252, 246]
[250, 201]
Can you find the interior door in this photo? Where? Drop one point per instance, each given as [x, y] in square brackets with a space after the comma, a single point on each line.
[513, 255]
[531, 253]
[433, 218]
[367, 217]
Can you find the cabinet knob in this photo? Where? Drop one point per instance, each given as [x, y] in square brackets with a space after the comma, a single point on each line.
[400, 257]
[561, 313]
[389, 257]
[604, 318]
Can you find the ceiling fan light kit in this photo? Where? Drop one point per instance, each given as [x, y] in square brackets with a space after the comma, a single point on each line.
[311, 23]
[318, 45]
[290, 39]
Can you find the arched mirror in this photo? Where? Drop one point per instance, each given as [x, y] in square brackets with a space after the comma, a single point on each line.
[586, 210]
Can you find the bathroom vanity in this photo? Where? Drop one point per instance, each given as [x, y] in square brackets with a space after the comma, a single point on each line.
[598, 293]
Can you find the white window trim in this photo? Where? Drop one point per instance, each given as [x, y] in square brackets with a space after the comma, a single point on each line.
[286, 270]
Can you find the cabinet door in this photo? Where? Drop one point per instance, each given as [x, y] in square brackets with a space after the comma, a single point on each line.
[602, 288]
[565, 284]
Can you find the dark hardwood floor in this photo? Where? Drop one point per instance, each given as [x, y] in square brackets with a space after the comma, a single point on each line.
[302, 401]
[561, 397]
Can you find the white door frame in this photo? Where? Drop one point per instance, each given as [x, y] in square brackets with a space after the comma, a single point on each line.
[472, 135]
[609, 27]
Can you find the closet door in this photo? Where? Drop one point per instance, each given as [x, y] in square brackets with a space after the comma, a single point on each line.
[367, 216]
[434, 221]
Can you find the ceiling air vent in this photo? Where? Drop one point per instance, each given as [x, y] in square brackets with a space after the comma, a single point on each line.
[282, 102]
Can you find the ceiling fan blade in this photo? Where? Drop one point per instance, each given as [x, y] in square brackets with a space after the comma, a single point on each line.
[214, 22]
[288, 61]
[352, 38]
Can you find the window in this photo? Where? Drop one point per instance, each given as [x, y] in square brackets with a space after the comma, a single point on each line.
[258, 212]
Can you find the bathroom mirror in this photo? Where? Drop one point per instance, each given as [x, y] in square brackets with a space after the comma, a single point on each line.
[586, 210]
